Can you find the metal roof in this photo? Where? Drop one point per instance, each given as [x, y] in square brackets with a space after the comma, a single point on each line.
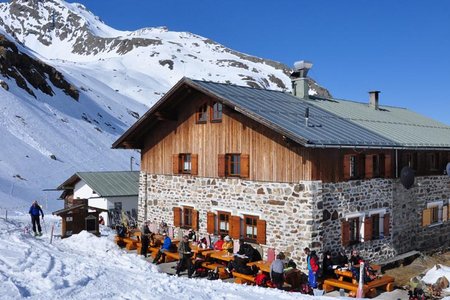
[286, 113]
[405, 127]
[107, 184]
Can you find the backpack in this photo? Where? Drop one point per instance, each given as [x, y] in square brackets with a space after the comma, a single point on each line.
[261, 279]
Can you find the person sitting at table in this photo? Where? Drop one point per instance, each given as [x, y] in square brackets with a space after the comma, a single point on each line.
[277, 270]
[202, 244]
[341, 260]
[219, 244]
[227, 244]
[327, 266]
[355, 258]
[239, 264]
[164, 248]
[249, 251]
[191, 235]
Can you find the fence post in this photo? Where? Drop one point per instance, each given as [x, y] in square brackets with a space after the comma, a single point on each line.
[51, 233]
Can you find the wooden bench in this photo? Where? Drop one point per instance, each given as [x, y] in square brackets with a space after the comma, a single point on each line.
[369, 289]
[243, 278]
[213, 266]
[131, 244]
[172, 256]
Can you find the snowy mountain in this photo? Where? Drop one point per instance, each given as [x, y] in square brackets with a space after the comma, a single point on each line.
[72, 85]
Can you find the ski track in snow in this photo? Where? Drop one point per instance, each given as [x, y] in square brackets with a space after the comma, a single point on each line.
[87, 267]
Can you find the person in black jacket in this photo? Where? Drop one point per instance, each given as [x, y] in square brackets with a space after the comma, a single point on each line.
[34, 212]
[249, 251]
[185, 257]
[145, 238]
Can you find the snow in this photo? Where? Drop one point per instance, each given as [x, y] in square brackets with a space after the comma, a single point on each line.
[88, 267]
[112, 86]
[435, 273]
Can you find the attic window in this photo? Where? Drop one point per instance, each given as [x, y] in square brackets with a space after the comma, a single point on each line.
[216, 112]
[202, 114]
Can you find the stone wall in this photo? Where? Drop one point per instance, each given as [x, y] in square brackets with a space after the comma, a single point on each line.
[292, 211]
[308, 213]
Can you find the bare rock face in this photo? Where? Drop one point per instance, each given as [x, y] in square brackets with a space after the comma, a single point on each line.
[4, 85]
[28, 71]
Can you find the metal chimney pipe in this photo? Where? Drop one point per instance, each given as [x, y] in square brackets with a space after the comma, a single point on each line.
[373, 99]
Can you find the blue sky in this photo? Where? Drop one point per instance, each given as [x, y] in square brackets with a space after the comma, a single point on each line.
[399, 47]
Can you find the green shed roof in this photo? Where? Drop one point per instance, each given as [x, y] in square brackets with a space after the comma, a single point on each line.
[107, 184]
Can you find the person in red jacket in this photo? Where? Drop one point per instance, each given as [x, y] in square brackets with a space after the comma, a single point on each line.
[218, 245]
[313, 267]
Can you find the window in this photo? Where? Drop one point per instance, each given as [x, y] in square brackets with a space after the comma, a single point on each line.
[353, 166]
[202, 113]
[187, 216]
[376, 165]
[411, 160]
[233, 164]
[216, 112]
[433, 214]
[433, 161]
[354, 231]
[250, 227]
[224, 222]
[185, 166]
[185, 163]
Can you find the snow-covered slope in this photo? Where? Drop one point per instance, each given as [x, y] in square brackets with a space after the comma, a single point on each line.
[115, 75]
[86, 267]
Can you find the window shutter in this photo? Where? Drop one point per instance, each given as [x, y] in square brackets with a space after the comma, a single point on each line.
[221, 165]
[210, 222]
[195, 220]
[245, 166]
[368, 166]
[368, 229]
[175, 164]
[361, 165]
[194, 164]
[177, 216]
[235, 227]
[346, 166]
[387, 166]
[426, 217]
[261, 235]
[386, 222]
[445, 213]
[345, 233]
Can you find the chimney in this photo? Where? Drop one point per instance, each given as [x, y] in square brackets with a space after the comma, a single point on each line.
[299, 79]
[373, 99]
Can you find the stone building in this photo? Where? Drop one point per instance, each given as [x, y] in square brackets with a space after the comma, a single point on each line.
[289, 171]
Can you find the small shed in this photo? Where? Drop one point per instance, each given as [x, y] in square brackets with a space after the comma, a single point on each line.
[78, 218]
[114, 191]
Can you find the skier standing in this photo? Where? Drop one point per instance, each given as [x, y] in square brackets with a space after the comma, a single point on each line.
[35, 209]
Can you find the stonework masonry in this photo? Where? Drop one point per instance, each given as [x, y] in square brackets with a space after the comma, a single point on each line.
[307, 213]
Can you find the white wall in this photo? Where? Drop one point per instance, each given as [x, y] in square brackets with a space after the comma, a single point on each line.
[83, 191]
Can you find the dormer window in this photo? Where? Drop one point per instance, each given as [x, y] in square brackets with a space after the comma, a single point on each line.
[202, 113]
[216, 112]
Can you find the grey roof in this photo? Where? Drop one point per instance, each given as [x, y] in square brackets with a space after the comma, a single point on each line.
[405, 127]
[107, 184]
[287, 113]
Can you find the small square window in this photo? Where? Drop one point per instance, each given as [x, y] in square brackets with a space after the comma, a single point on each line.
[185, 163]
[354, 231]
[187, 216]
[250, 227]
[216, 112]
[233, 164]
[202, 114]
[224, 222]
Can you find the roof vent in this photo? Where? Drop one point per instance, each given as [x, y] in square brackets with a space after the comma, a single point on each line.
[373, 99]
[299, 79]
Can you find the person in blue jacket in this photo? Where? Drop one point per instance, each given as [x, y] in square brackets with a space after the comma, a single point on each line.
[34, 212]
[164, 248]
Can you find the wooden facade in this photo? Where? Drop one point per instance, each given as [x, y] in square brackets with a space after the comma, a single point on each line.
[271, 156]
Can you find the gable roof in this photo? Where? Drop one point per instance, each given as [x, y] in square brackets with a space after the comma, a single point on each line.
[106, 184]
[329, 123]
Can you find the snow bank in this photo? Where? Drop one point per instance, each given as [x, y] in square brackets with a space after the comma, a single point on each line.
[87, 267]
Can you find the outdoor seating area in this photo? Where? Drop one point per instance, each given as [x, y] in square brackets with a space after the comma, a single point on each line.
[224, 264]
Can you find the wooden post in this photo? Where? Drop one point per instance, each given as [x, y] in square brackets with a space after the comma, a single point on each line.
[51, 233]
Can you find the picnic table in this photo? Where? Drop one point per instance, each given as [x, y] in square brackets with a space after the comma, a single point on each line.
[222, 255]
[263, 265]
[344, 273]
